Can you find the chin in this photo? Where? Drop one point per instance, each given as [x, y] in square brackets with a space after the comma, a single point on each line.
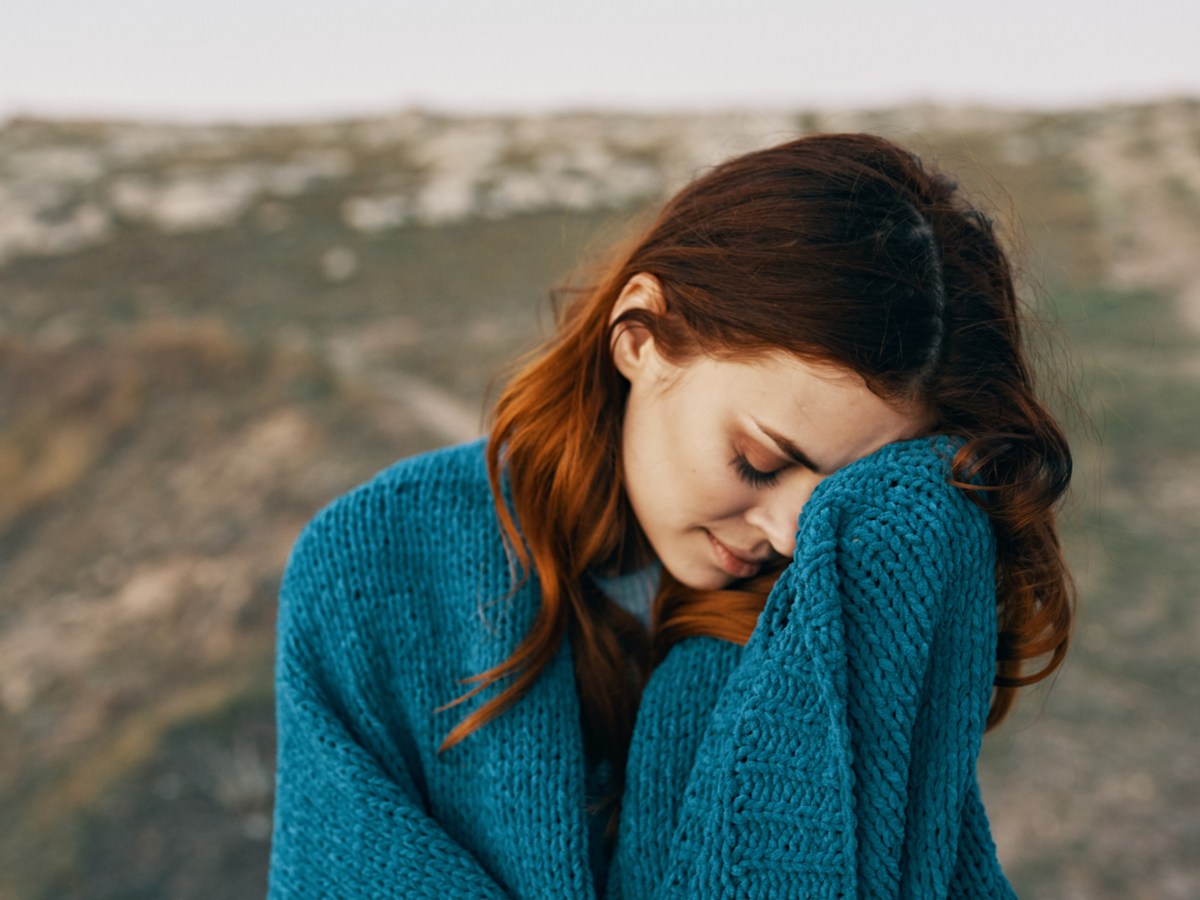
[699, 579]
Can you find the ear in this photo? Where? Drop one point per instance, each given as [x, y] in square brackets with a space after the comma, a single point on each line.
[633, 348]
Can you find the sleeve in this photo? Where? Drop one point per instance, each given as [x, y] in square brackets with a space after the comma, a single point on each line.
[349, 821]
[839, 759]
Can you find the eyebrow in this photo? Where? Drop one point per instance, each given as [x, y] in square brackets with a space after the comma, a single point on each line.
[789, 449]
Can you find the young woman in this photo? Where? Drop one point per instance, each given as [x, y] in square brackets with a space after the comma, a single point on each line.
[760, 543]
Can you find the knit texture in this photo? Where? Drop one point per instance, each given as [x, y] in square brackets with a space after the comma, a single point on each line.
[832, 756]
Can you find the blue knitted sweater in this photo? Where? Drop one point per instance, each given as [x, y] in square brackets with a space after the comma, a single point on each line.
[832, 756]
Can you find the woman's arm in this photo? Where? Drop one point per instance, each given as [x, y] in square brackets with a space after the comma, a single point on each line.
[839, 759]
[345, 827]
[348, 823]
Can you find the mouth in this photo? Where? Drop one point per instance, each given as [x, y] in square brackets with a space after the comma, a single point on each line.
[733, 563]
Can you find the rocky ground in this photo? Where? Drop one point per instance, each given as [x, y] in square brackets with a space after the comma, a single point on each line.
[206, 332]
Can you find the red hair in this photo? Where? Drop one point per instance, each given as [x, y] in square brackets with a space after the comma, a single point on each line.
[840, 249]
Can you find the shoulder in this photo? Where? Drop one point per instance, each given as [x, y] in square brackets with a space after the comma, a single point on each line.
[426, 483]
[419, 528]
[443, 487]
[381, 605]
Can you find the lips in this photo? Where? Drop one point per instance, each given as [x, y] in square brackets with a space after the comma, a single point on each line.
[734, 564]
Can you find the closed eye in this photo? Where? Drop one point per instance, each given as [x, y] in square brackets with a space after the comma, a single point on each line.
[752, 476]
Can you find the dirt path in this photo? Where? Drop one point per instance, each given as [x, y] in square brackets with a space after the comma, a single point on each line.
[437, 410]
[434, 409]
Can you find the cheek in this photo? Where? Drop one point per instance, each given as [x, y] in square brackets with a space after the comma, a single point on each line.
[715, 491]
[657, 466]
[679, 455]
[707, 485]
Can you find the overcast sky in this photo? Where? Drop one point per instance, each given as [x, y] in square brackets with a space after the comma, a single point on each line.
[286, 58]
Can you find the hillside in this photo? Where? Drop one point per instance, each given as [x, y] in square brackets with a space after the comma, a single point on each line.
[207, 332]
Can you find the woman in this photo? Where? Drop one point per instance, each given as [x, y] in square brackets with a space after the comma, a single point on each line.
[782, 482]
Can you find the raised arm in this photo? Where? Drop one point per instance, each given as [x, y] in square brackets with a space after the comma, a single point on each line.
[839, 759]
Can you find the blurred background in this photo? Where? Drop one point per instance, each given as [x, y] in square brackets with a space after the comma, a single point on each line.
[252, 253]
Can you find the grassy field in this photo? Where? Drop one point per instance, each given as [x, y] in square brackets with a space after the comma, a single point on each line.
[1091, 786]
[179, 393]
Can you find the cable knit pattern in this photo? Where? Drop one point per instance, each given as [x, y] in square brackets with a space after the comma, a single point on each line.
[833, 756]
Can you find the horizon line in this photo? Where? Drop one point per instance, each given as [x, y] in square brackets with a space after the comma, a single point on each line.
[15, 110]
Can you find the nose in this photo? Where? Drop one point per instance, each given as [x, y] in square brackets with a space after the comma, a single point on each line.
[778, 509]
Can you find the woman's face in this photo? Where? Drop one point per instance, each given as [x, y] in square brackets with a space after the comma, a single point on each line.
[720, 457]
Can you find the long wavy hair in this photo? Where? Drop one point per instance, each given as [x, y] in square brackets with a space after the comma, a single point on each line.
[841, 249]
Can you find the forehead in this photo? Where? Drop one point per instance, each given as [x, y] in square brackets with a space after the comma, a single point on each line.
[779, 377]
[831, 408]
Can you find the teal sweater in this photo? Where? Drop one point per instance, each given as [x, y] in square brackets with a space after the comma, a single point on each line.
[833, 756]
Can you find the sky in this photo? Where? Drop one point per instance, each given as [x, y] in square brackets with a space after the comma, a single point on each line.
[271, 59]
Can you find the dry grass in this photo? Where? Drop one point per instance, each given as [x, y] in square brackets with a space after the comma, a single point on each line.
[176, 401]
